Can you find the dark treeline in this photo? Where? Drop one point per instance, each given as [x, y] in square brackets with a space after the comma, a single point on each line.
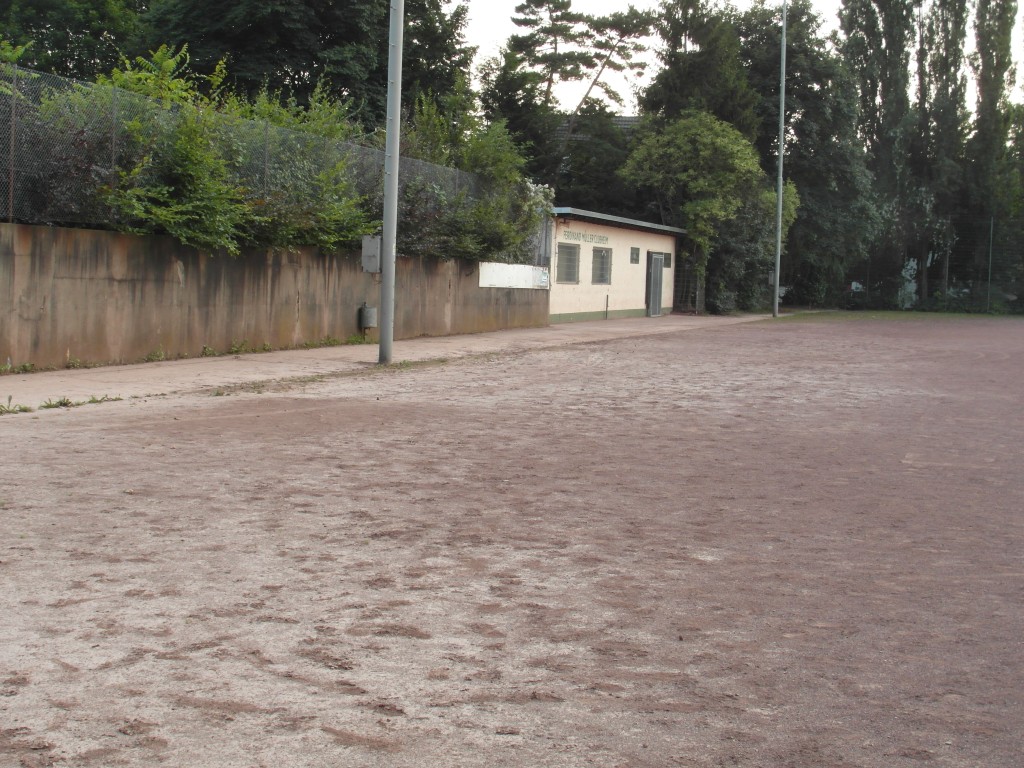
[904, 154]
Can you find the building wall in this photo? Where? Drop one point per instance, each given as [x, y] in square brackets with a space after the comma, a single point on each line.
[626, 294]
[101, 297]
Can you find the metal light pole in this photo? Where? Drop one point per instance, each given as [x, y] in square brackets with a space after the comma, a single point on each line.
[782, 149]
[991, 235]
[391, 157]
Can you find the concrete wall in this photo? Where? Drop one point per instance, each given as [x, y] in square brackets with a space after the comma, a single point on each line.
[102, 297]
[626, 295]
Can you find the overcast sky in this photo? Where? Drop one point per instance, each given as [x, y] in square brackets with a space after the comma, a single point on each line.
[490, 25]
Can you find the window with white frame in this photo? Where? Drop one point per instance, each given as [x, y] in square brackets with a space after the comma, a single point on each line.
[601, 272]
[567, 268]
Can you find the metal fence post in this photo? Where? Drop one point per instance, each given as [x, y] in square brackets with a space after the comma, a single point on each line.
[266, 156]
[113, 132]
[991, 233]
[14, 123]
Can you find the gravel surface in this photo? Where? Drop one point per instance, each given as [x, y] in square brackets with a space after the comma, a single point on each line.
[791, 543]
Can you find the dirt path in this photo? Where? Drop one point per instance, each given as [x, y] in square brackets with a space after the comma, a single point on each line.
[779, 544]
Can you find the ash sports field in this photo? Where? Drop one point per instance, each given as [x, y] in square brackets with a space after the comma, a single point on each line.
[791, 543]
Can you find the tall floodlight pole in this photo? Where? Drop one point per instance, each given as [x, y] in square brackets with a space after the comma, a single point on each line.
[391, 157]
[782, 150]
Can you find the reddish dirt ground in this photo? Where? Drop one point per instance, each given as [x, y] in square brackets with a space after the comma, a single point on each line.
[791, 543]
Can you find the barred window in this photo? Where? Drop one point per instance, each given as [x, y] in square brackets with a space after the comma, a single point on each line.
[567, 270]
[601, 273]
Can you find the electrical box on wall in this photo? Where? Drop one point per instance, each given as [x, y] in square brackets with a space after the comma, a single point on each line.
[371, 253]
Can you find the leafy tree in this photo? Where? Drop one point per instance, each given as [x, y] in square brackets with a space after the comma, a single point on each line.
[10, 53]
[559, 45]
[440, 126]
[514, 94]
[824, 157]
[589, 174]
[993, 67]
[492, 217]
[1014, 191]
[938, 157]
[942, 52]
[286, 47]
[291, 47]
[697, 167]
[879, 39]
[181, 185]
[435, 58]
[702, 173]
[990, 182]
[190, 163]
[701, 67]
[79, 39]
[616, 39]
[744, 257]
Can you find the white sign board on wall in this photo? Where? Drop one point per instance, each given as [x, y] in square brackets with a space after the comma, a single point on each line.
[493, 275]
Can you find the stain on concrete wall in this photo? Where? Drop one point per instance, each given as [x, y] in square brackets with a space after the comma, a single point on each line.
[104, 297]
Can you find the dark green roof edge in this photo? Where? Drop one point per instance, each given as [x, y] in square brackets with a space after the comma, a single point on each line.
[616, 221]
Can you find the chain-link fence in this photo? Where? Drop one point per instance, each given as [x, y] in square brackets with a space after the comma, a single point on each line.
[62, 143]
[978, 268]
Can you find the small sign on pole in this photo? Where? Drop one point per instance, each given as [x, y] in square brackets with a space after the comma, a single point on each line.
[371, 253]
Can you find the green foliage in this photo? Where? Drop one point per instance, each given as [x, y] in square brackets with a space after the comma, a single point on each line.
[326, 341]
[744, 252]
[295, 47]
[436, 61]
[704, 176]
[698, 169]
[182, 187]
[496, 221]
[321, 115]
[837, 218]
[993, 66]
[589, 173]
[161, 149]
[701, 67]
[558, 45]
[60, 402]
[435, 135]
[12, 408]
[181, 184]
[187, 153]
[553, 45]
[74, 38]
[513, 94]
[617, 40]
[10, 53]
[9, 368]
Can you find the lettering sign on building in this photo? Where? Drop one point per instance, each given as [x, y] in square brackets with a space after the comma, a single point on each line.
[584, 237]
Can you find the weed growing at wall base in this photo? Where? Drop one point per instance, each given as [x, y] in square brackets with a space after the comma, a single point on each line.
[23, 368]
[67, 402]
[13, 408]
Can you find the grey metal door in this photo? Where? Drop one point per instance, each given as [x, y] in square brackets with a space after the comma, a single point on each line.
[655, 275]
